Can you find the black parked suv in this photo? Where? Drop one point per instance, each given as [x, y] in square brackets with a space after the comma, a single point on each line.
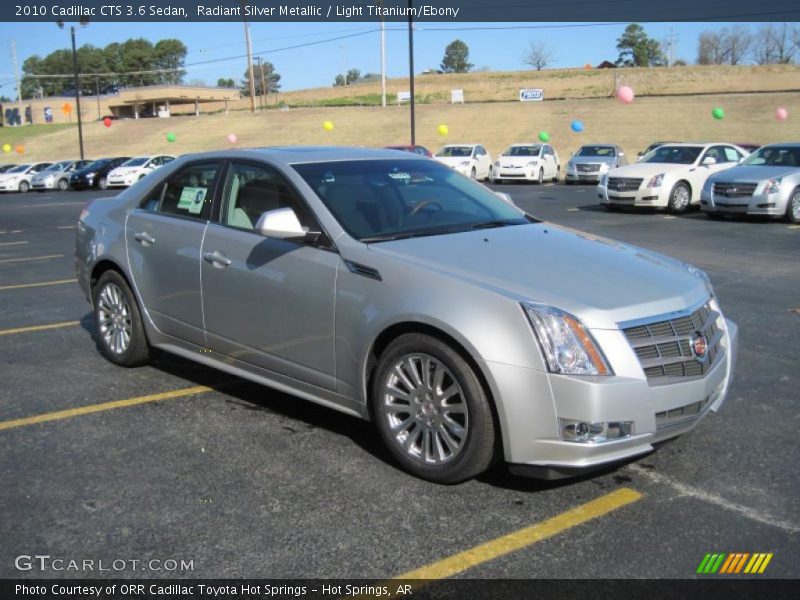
[95, 175]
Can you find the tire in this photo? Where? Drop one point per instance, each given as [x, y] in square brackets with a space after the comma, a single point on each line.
[24, 186]
[567, 181]
[473, 174]
[63, 185]
[611, 207]
[102, 183]
[793, 207]
[116, 314]
[557, 175]
[490, 176]
[428, 441]
[714, 216]
[540, 179]
[680, 198]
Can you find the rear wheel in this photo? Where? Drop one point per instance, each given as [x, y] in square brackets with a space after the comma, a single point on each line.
[63, 185]
[793, 207]
[679, 198]
[490, 176]
[540, 179]
[557, 175]
[24, 186]
[119, 330]
[432, 411]
[473, 174]
[102, 183]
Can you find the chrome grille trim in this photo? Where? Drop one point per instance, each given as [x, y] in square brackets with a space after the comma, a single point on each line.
[587, 167]
[663, 344]
[681, 414]
[734, 190]
[624, 184]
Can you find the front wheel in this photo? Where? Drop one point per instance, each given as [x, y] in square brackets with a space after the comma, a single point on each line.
[473, 174]
[63, 185]
[102, 183]
[490, 176]
[679, 198]
[793, 207]
[557, 175]
[119, 330]
[540, 179]
[24, 186]
[431, 410]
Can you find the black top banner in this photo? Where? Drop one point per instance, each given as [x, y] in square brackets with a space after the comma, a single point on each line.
[440, 11]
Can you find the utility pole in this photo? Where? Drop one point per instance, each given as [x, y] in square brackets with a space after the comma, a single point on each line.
[249, 45]
[16, 75]
[411, 67]
[672, 38]
[383, 62]
[262, 101]
[77, 88]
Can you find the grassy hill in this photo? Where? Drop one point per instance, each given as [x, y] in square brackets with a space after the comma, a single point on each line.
[496, 122]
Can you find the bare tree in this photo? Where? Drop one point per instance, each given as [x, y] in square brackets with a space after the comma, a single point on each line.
[736, 42]
[538, 55]
[776, 44]
[726, 46]
[709, 48]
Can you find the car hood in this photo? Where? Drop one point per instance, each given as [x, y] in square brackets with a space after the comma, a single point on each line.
[756, 173]
[601, 281]
[46, 174]
[124, 170]
[647, 169]
[517, 160]
[452, 161]
[582, 160]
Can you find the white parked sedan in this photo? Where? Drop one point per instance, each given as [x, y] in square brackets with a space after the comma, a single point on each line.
[671, 176]
[469, 159]
[135, 169]
[18, 179]
[528, 162]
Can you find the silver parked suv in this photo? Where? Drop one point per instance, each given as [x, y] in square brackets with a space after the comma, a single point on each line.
[766, 183]
[393, 288]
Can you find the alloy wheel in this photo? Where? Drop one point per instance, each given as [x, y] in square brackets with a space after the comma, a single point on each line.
[114, 318]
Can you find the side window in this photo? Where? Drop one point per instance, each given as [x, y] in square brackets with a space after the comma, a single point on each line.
[253, 189]
[167, 159]
[731, 155]
[186, 193]
[715, 152]
[479, 151]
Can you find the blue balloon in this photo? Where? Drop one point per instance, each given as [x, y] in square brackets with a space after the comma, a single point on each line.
[577, 126]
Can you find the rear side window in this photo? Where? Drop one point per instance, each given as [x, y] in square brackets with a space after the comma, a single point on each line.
[187, 193]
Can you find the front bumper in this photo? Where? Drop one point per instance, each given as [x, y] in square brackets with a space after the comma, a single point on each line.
[81, 184]
[772, 205]
[532, 403]
[43, 184]
[8, 186]
[520, 173]
[644, 196]
[573, 175]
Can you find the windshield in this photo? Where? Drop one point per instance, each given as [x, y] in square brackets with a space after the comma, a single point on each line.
[19, 169]
[455, 151]
[604, 151]
[136, 162]
[522, 151]
[60, 166]
[775, 156]
[380, 200]
[98, 164]
[676, 155]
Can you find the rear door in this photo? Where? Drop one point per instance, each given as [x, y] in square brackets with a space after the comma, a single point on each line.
[268, 302]
[164, 236]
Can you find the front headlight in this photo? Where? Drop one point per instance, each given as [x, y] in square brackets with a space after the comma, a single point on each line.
[605, 167]
[656, 181]
[570, 164]
[604, 180]
[497, 163]
[566, 344]
[700, 274]
[773, 186]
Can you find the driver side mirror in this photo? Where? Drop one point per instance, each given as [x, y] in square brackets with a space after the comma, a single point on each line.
[709, 160]
[283, 224]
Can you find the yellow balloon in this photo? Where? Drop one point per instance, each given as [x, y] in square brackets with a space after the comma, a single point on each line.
[328, 125]
[443, 130]
[6, 147]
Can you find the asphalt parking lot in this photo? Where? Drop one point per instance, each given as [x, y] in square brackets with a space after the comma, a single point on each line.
[247, 482]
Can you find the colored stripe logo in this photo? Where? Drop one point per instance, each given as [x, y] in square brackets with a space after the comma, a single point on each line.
[734, 563]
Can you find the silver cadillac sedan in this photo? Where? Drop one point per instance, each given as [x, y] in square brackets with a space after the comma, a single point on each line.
[591, 161]
[394, 289]
[765, 183]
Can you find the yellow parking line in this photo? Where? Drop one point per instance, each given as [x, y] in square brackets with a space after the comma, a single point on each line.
[12, 243]
[517, 540]
[38, 328]
[10, 260]
[20, 286]
[93, 408]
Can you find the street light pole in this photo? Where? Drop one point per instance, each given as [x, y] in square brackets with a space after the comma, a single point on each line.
[411, 67]
[77, 88]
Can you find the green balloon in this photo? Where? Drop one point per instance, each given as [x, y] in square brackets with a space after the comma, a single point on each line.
[544, 136]
[170, 137]
[718, 113]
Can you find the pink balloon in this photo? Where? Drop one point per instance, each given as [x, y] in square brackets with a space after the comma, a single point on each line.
[625, 94]
[781, 114]
[232, 138]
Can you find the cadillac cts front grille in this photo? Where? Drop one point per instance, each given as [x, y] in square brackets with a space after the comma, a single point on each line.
[734, 190]
[681, 414]
[624, 184]
[588, 168]
[684, 346]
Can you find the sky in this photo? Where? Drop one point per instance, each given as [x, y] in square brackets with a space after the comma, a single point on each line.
[496, 46]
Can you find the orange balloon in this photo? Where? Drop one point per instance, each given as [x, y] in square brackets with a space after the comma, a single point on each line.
[20, 149]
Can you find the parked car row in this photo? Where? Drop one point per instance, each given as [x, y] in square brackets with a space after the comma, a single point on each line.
[117, 171]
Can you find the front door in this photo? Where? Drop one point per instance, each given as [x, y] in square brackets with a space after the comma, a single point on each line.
[268, 302]
[164, 237]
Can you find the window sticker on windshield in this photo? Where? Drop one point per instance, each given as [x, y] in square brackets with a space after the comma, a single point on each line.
[192, 199]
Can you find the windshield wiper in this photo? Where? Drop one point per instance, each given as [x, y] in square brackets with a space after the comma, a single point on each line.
[495, 223]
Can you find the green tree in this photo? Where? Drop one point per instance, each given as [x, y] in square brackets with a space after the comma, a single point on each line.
[224, 82]
[339, 81]
[637, 49]
[136, 55]
[271, 79]
[352, 76]
[456, 58]
[170, 54]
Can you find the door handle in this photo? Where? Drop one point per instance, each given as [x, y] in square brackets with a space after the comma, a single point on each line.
[217, 259]
[144, 238]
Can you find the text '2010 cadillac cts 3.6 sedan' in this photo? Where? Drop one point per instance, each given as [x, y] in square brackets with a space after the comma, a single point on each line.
[392, 288]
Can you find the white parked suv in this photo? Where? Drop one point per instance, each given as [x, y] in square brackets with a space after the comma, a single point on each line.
[671, 176]
[528, 162]
[135, 169]
[472, 160]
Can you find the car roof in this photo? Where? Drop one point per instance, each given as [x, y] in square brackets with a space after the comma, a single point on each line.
[784, 144]
[289, 155]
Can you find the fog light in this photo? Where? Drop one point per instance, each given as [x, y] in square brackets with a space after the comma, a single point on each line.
[595, 433]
